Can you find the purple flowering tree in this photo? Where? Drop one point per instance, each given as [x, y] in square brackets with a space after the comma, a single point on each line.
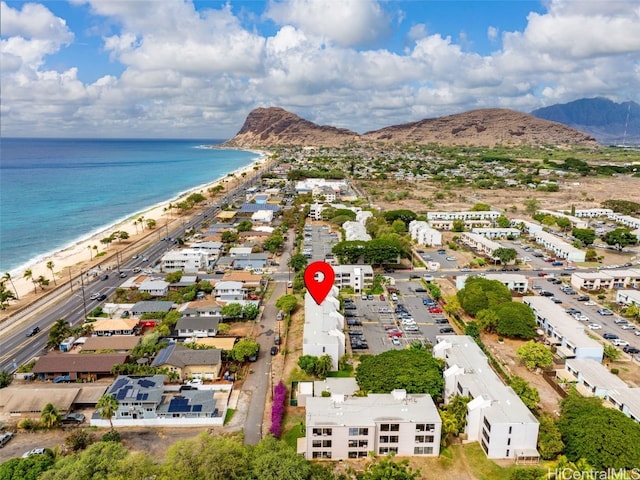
[277, 409]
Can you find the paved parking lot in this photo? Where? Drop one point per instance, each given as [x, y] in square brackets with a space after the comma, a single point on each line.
[379, 319]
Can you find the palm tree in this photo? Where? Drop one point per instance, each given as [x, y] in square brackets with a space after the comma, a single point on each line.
[107, 407]
[7, 276]
[6, 296]
[50, 417]
[50, 266]
[28, 275]
[141, 222]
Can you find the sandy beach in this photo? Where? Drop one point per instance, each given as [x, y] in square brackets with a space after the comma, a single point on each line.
[69, 262]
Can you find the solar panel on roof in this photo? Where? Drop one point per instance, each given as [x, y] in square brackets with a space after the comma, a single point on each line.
[197, 408]
[120, 382]
[146, 383]
[121, 395]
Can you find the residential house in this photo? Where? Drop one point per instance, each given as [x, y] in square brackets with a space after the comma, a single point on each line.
[229, 292]
[189, 363]
[344, 427]
[77, 366]
[197, 327]
[186, 260]
[115, 343]
[155, 288]
[147, 306]
[115, 326]
[253, 261]
[496, 417]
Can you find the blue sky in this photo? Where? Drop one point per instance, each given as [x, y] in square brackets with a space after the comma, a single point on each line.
[176, 68]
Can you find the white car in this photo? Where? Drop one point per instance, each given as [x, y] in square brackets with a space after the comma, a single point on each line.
[590, 303]
[618, 342]
[637, 333]
[628, 326]
[395, 341]
[582, 318]
[595, 326]
[35, 451]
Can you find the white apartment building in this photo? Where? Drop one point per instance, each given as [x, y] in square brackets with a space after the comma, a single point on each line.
[323, 328]
[590, 378]
[606, 279]
[559, 247]
[497, 232]
[593, 212]
[423, 234]
[513, 281]
[479, 243]
[355, 231]
[187, 260]
[358, 277]
[575, 221]
[480, 215]
[447, 225]
[496, 417]
[529, 227]
[343, 427]
[626, 220]
[563, 331]
[628, 297]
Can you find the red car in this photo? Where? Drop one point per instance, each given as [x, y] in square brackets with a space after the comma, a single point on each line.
[394, 334]
[435, 310]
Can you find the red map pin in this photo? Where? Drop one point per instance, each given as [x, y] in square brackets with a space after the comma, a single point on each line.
[318, 278]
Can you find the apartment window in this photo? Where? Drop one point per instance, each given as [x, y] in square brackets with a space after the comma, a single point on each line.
[390, 427]
[357, 454]
[507, 453]
[487, 424]
[425, 427]
[508, 441]
[358, 443]
[510, 430]
[424, 438]
[322, 431]
[355, 431]
[321, 443]
[459, 388]
[484, 446]
[485, 434]
[321, 455]
[422, 450]
[385, 450]
[384, 438]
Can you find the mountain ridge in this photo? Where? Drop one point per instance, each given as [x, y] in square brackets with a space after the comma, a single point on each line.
[275, 126]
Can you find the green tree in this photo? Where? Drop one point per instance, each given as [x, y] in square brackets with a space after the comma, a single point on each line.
[274, 242]
[455, 413]
[585, 235]
[534, 355]
[458, 225]
[323, 366]
[250, 311]
[107, 407]
[604, 437]
[416, 371]
[5, 296]
[231, 310]
[287, 303]
[298, 262]
[7, 278]
[515, 320]
[480, 293]
[487, 320]
[550, 443]
[28, 275]
[244, 349]
[5, 378]
[611, 353]
[407, 216]
[50, 266]
[30, 468]
[50, 417]
[531, 205]
[58, 332]
[620, 237]
[79, 439]
[308, 364]
[528, 394]
[244, 226]
[385, 468]
[229, 237]
[99, 461]
[275, 460]
[398, 226]
[503, 222]
[505, 255]
[563, 223]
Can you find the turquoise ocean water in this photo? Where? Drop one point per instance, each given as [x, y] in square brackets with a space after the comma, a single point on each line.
[56, 192]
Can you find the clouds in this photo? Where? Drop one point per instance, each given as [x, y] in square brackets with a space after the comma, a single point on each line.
[193, 72]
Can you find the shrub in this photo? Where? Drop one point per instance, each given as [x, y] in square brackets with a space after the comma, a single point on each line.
[112, 436]
[29, 425]
[277, 409]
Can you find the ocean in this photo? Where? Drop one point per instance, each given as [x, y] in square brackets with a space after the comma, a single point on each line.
[56, 192]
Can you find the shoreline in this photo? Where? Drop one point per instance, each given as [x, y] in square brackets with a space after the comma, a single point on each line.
[75, 257]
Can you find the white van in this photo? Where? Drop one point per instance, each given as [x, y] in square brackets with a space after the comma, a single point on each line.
[280, 315]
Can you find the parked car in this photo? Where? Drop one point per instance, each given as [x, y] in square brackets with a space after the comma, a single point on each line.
[590, 303]
[5, 438]
[628, 326]
[595, 326]
[75, 418]
[546, 293]
[620, 321]
[274, 350]
[33, 331]
[435, 310]
[610, 336]
[619, 342]
[605, 312]
[441, 321]
[583, 298]
[420, 290]
[631, 350]
[446, 330]
[35, 451]
[395, 341]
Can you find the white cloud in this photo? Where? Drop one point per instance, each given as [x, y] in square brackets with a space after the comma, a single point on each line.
[344, 22]
[198, 73]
